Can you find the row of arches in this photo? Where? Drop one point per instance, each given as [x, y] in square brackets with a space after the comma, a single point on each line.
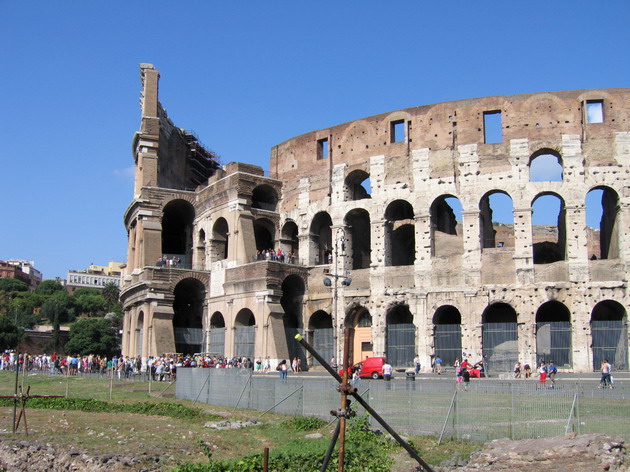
[553, 330]
[496, 229]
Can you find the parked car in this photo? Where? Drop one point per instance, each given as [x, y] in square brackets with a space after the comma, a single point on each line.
[371, 367]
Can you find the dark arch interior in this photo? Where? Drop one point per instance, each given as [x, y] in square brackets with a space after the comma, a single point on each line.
[264, 234]
[217, 320]
[399, 210]
[552, 311]
[177, 220]
[358, 222]
[188, 316]
[499, 313]
[245, 317]
[447, 315]
[265, 197]
[320, 320]
[399, 314]
[356, 184]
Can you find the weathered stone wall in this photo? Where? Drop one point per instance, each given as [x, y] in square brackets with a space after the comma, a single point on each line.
[415, 253]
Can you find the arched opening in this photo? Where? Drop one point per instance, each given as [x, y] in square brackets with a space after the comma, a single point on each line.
[602, 232]
[358, 223]
[245, 334]
[320, 239]
[362, 346]
[264, 233]
[357, 185]
[548, 229]
[292, 301]
[289, 242]
[446, 217]
[496, 220]
[447, 322]
[545, 166]
[177, 232]
[139, 333]
[401, 336]
[219, 249]
[265, 197]
[400, 234]
[188, 316]
[499, 338]
[201, 250]
[216, 344]
[609, 332]
[553, 334]
[322, 334]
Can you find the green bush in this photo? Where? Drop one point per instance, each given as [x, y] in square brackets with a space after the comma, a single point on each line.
[366, 451]
[304, 423]
[173, 410]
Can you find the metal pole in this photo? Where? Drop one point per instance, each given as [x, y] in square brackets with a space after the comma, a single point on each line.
[269, 409]
[344, 399]
[331, 448]
[450, 408]
[265, 459]
[17, 378]
[242, 391]
[412, 452]
[201, 389]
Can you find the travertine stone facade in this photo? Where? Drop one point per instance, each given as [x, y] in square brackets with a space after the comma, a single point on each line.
[371, 201]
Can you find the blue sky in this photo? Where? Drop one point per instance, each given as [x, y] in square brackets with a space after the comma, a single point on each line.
[245, 76]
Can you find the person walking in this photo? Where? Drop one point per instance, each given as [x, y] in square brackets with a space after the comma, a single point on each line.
[606, 380]
[552, 370]
[416, 363]
[387, 371]
[438, 365]
[542, 373]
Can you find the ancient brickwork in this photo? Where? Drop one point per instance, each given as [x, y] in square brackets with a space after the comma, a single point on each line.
[404, 204]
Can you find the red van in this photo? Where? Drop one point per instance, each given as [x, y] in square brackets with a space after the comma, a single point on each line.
[370, 367]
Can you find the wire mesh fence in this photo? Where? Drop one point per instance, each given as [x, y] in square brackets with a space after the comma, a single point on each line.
[481, 411]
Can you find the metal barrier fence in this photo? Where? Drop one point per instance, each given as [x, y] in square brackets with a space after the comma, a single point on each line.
[485, 410]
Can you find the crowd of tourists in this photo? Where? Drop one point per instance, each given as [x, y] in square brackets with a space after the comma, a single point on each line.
[278, 255]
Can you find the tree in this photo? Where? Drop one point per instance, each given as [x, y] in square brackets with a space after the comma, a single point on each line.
[12, 285]
[90, 304]
[49, 287]
[9, 333]
[111, 294]
[92, 336]
[9, 289]
[24, 307]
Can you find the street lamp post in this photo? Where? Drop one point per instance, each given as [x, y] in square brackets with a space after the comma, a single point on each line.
[337, 278]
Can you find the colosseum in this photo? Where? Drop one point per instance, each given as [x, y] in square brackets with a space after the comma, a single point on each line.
[418, 228]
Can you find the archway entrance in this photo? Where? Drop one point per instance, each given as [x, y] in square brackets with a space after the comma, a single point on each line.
[448, 334]
[245, 334]
[401, 336]
[609, 330]
[362, 346]
[188, 316]
[216, 345]
[553, 334]
[291, 301]
[322, 335]
[499, 338]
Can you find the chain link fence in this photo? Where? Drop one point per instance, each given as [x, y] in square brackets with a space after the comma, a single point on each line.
[481, 411]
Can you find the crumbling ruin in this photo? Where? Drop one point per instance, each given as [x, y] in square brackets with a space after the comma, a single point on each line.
[398, 213]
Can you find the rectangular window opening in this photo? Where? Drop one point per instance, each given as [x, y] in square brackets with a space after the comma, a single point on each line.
[492, 127]
[398, 131]
[322, 148]
[595, 111]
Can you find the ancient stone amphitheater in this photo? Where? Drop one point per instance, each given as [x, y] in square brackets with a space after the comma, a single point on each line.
[490, 228]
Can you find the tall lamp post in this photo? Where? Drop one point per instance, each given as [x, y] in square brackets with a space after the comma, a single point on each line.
[344, 388]
[333, 279]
